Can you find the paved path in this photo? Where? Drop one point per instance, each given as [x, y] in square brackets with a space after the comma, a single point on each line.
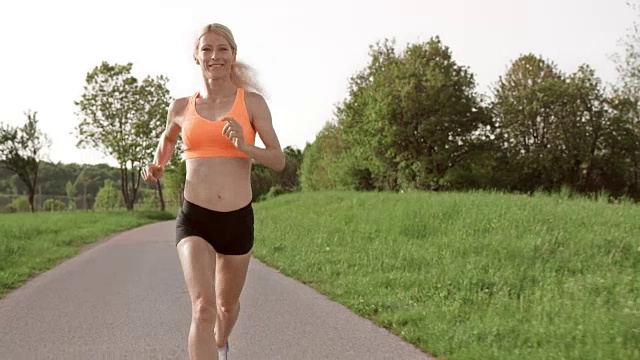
[125, 298]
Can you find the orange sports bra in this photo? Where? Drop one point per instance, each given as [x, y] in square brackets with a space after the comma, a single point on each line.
[203, 138]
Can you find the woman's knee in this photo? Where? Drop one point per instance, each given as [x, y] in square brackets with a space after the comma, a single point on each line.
[229, 308]
[204, 309]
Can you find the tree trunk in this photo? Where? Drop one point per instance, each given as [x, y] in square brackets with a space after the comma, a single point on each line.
[31, 196]
[160, 197]
[124, 186]
[635, 193]
[84, 197]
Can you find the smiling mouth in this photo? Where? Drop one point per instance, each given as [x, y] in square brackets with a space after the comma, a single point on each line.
[216, 65]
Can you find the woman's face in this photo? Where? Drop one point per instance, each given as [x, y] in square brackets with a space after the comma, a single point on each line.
[215, 56]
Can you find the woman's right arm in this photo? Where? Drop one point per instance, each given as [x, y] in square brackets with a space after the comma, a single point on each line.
[169, 137]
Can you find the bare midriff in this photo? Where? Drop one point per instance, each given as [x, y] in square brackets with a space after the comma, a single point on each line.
[220, 183]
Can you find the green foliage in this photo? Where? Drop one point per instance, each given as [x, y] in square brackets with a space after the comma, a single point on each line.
[54, 205]
[410, 120]
[173, 182]
[524, 102]
[264, 179]
[71, 195]
[627, 117]
[19, 204]
[123, 117]
[147, 200]
[414, 121]
[108, 198]
[317, 171]
[53, 177]
[87, 183]
[21, 149]
[288, 178]
[556, 129]
[273, 193]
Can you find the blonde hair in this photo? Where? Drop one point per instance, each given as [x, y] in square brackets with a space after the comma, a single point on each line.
[242, 75]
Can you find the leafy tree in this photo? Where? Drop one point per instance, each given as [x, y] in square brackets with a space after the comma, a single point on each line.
[264, 179]
[627, 104]
[619, 169]
[6, 184]
[583, 119]
[410, 118]
[288, 178]
[123, 117]
[319, 157]
[525, 99]
[108, 197]
[21, 150]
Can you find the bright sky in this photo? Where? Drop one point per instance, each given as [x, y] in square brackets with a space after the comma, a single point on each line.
[304, 52]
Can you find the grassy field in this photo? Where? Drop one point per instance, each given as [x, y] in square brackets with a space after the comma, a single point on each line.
[32, 243]
[469, 276]
[462, 276]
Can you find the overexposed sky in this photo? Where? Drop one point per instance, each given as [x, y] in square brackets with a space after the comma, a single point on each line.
[304, 52]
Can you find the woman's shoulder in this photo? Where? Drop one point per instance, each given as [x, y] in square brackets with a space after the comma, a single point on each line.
[254, 100]
[257, 106]
[178, 106]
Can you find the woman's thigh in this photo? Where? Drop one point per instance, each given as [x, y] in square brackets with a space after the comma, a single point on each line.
[198, 262]
[231, 273]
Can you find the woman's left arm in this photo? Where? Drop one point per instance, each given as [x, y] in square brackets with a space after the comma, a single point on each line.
[272, 155]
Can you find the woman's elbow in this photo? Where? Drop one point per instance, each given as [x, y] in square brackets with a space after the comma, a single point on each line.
[280, 164]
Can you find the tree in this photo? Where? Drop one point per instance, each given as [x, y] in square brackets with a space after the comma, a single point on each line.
[288, 178]
[627, 103]
[525, 99]
[123, 118]
[21, 150]
[584, 117]
[71, 195]
[318, 157]
[411, 118]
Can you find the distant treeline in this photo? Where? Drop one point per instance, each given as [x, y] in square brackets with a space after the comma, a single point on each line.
[414, 120]
[77, 186]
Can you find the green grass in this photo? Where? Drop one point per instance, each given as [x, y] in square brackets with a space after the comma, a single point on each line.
[32, 243]
[469, 276]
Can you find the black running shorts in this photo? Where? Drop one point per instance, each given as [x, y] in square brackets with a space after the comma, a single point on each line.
[229, 232]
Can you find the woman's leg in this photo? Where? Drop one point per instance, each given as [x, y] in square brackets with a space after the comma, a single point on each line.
[198, 262]
[231, 273]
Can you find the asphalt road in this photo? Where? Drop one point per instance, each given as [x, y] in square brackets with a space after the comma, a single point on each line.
[125, 298]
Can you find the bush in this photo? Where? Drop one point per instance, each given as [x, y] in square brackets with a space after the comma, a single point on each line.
[108, 197]
[147, 200]
[19, 204]
[54, 205]
[273, 192]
